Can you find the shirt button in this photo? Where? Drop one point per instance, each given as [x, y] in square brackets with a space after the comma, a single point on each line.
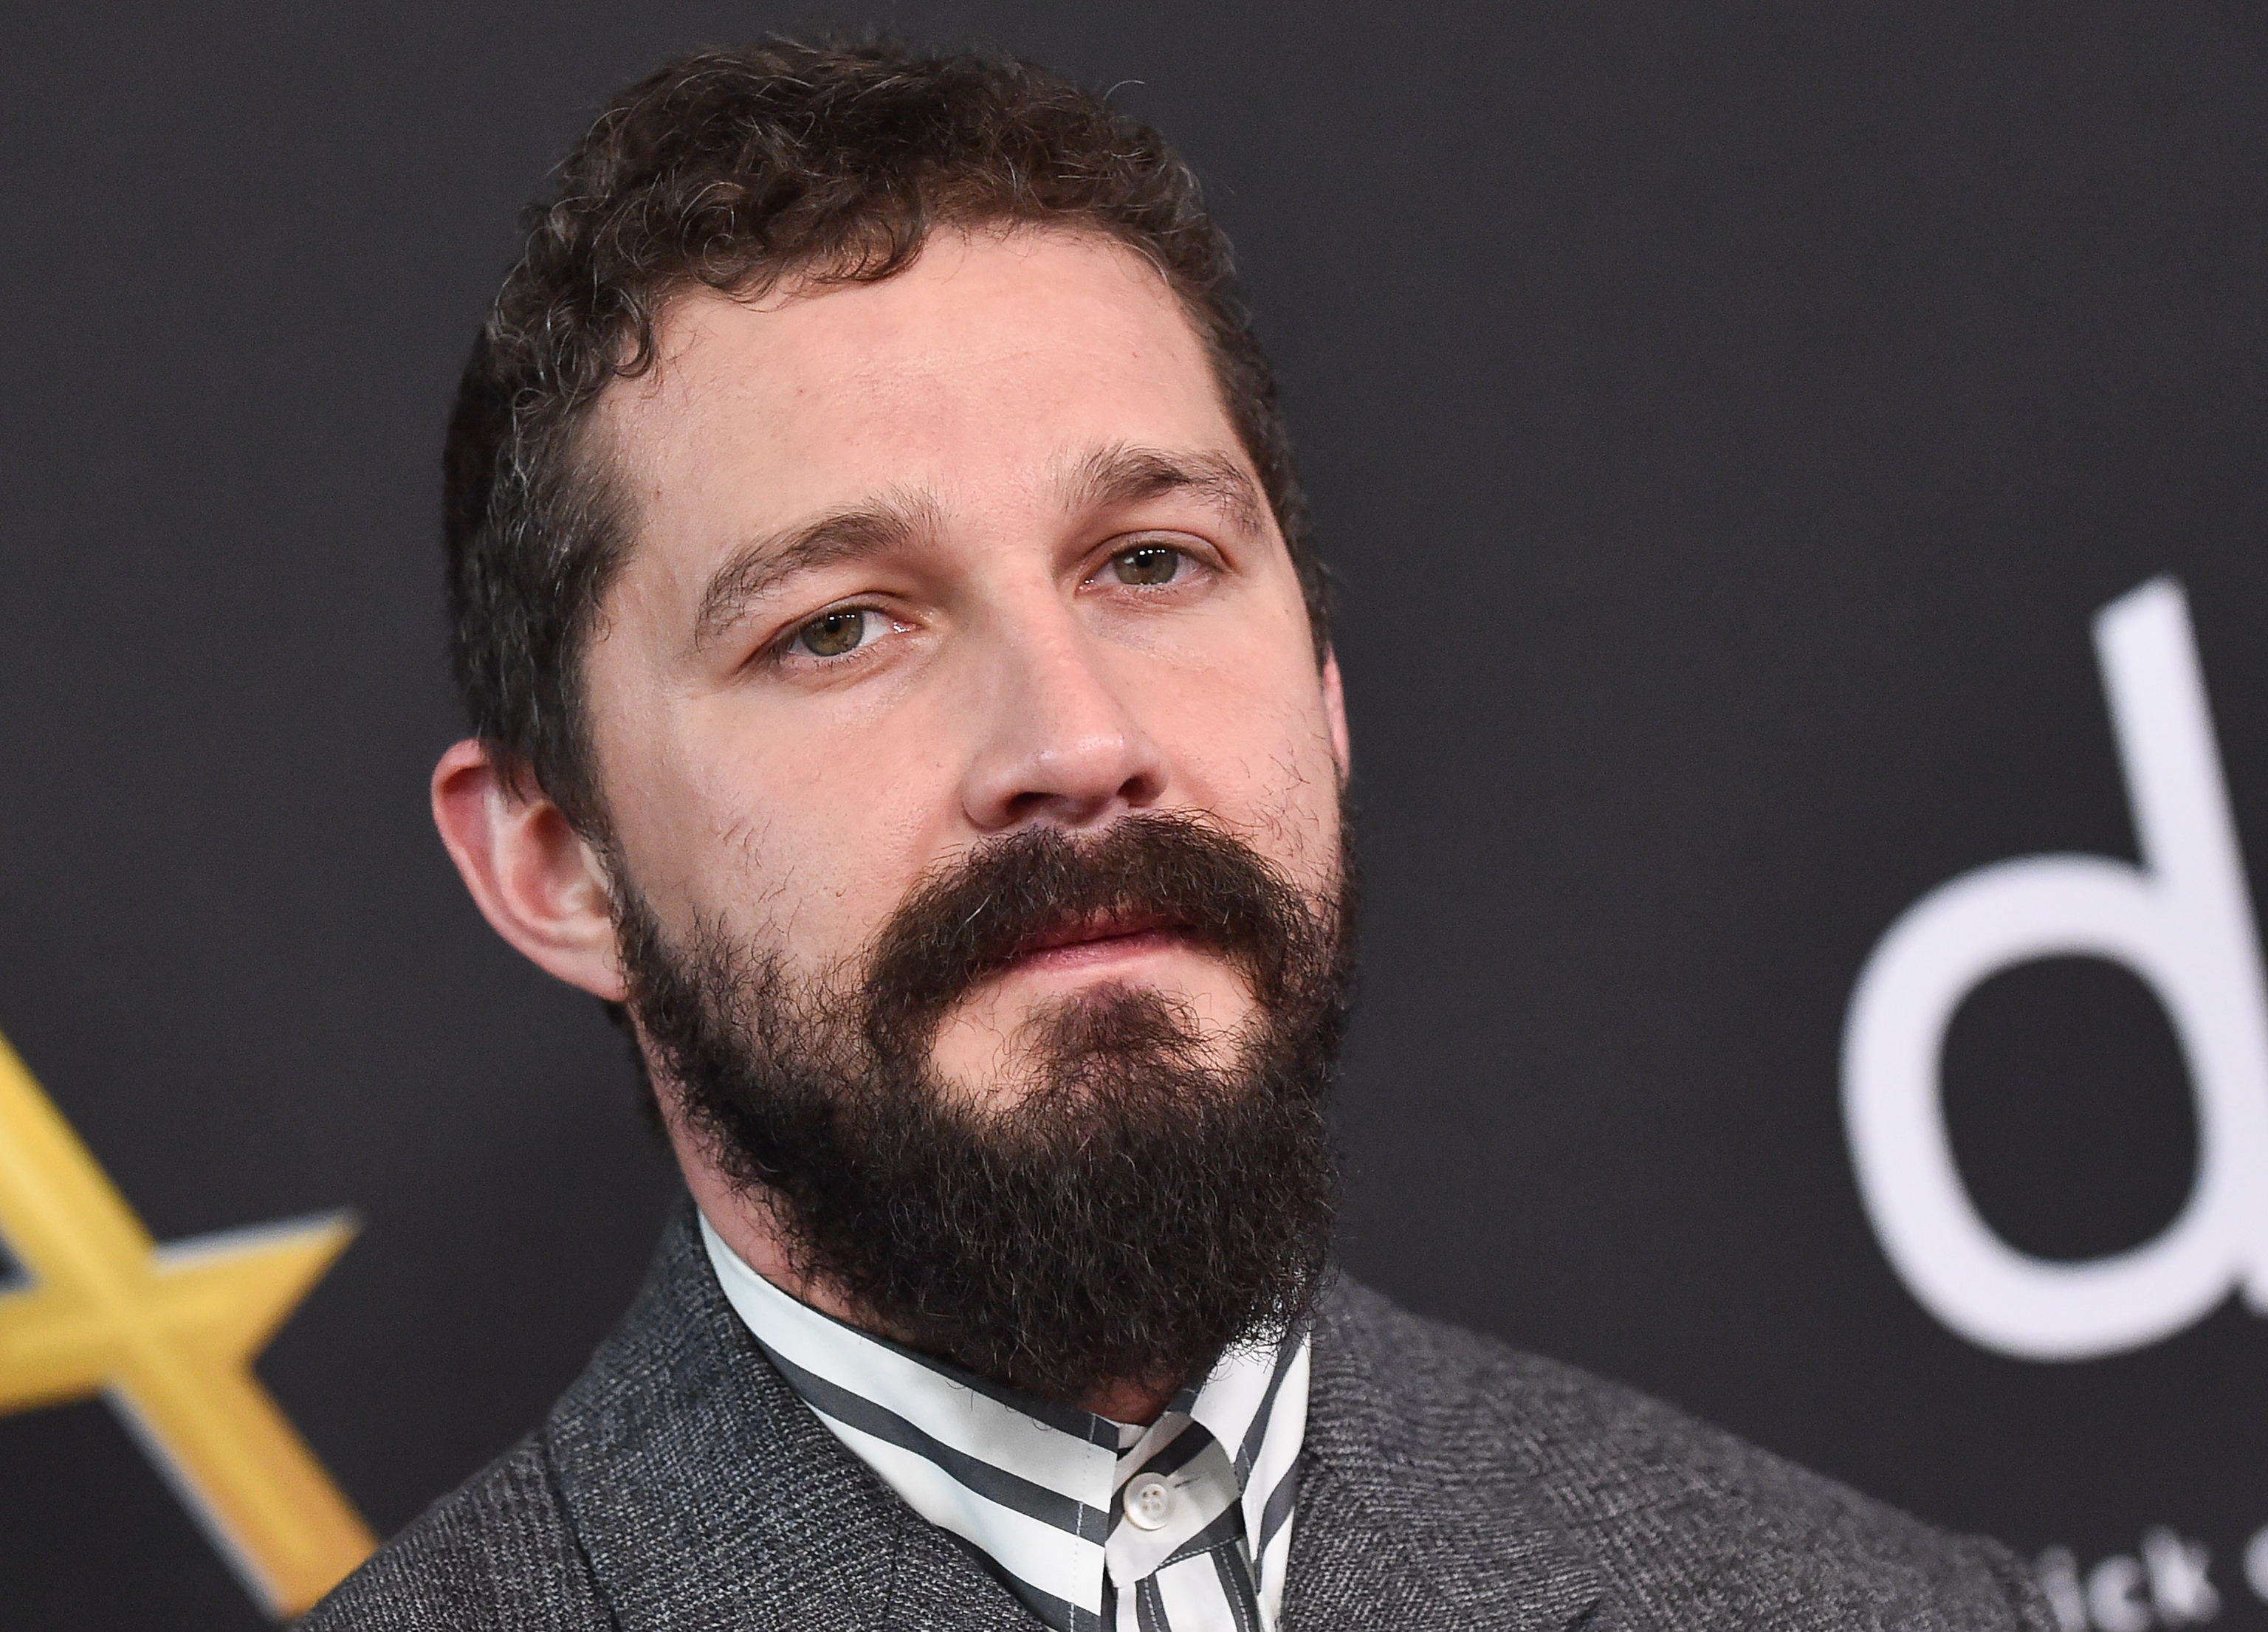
[1149, 1501]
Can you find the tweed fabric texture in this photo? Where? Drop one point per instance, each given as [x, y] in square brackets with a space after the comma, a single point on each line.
[1447, 1481]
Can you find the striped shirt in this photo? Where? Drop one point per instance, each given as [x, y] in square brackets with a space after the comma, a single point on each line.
[1096, 1526]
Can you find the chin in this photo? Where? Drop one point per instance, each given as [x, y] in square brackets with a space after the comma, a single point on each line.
[1058, 1040]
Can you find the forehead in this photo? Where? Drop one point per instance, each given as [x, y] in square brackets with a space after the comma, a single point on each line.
[995, 358]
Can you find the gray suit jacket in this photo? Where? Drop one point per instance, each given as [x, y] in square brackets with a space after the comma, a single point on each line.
[1447, 1481]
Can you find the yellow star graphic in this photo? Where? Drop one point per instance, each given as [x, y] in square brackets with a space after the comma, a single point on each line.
[168, 1333]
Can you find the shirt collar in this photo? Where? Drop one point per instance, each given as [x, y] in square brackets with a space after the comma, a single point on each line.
[1027, 1482]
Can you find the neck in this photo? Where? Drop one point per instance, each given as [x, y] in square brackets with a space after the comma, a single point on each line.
[1127, 1403]
[750, 1226]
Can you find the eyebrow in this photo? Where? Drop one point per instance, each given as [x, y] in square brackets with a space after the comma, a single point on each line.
[1125, 475]
[763, 563]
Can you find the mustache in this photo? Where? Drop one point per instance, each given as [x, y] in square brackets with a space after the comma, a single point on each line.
[963, 926]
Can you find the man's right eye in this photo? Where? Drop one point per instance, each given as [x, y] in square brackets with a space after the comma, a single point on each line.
[836, 633]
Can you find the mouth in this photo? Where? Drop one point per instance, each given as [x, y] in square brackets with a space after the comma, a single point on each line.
[1098, 937]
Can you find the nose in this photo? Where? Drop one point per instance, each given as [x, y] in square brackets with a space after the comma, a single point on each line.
[1057, 740]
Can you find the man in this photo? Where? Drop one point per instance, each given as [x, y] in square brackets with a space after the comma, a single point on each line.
[901, 691]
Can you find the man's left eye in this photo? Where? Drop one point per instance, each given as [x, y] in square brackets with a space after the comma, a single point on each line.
[837, 634]
[1147, 563]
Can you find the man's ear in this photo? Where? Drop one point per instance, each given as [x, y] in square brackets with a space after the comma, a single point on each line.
[1334, 710]
[538, 883]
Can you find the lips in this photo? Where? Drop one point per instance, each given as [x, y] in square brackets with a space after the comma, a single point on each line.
[1092, 930]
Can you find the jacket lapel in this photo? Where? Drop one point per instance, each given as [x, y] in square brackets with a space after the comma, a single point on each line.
[1395, 1529]
[709, 1499]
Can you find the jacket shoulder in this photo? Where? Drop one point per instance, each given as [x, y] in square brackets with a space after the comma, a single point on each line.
[495, 1553]
[1700, 1527]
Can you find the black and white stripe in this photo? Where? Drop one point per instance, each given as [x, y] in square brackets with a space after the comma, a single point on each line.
[1039, 1492]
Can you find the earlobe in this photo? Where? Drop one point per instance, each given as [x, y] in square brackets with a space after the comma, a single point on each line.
[538, 882]
[1334, 710]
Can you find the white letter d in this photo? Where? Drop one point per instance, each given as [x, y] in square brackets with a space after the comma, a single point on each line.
[2183, 922]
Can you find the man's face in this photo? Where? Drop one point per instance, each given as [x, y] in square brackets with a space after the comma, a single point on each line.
[931, 562]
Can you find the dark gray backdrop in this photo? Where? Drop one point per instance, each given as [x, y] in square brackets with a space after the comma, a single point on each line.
[1725, 419]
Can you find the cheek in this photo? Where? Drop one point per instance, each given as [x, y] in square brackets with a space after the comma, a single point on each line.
[1257, 751]
[808, 844]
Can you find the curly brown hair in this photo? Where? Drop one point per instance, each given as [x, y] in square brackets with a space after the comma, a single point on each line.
[738, 170]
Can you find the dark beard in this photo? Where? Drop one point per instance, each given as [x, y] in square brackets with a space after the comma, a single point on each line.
[1141, 1201]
